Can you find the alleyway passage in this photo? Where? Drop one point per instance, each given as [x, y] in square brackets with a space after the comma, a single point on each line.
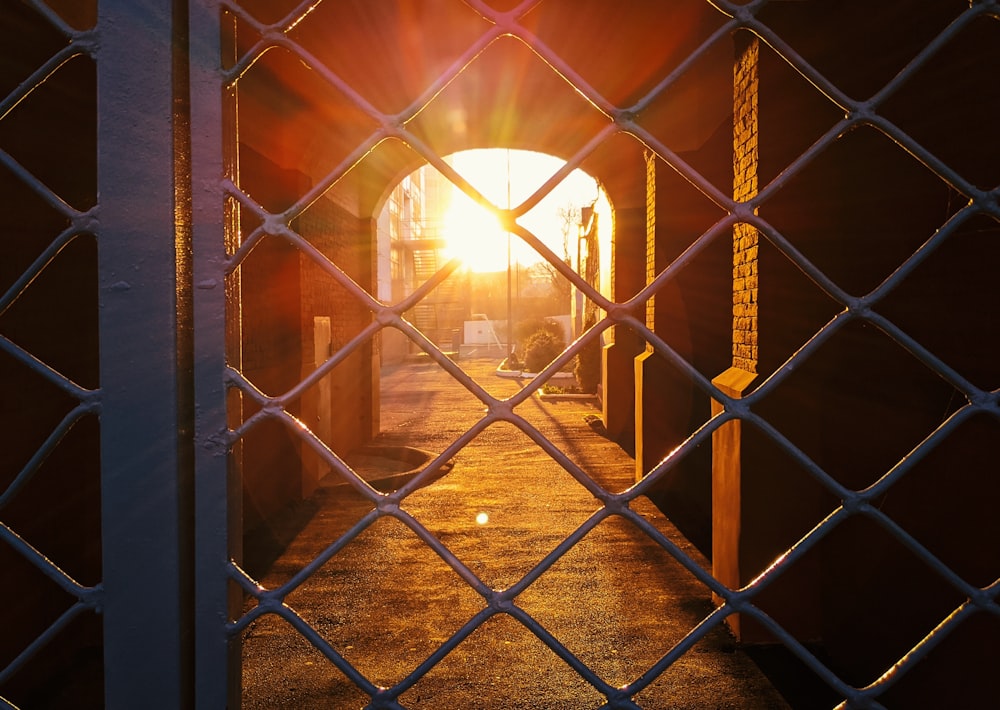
[386, 601]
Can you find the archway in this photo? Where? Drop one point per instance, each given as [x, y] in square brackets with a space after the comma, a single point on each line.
[343, 151]
[427, 221]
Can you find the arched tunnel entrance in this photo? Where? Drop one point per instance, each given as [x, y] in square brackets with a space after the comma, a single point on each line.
[504, 495]
[429, 443]
[300, 159]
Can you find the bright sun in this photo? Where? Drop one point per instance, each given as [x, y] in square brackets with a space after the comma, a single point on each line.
[474, 235]
[508, 178]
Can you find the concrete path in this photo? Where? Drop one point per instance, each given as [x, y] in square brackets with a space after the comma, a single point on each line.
[387, 602]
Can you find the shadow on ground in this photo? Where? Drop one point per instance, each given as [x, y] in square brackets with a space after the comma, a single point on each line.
[610, 604]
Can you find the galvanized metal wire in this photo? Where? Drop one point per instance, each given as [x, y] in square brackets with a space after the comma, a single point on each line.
[857, 112]
[625, 119]
[81, 224]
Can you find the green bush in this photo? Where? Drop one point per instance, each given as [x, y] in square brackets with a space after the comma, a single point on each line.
[526, 328]
[588, 367]
[541, 348]
[511, 362]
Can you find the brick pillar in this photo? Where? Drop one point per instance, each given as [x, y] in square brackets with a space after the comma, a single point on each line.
[650, 236]
[745, 238]
[646, 392]
[663, 395]
[760, 504]
[727, 483]
[618, 356]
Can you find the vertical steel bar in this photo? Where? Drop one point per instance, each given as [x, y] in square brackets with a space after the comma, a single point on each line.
[185, 336]
[138, 368]
[216, 484]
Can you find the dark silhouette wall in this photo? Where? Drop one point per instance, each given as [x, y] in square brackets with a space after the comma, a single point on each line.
[860, 403]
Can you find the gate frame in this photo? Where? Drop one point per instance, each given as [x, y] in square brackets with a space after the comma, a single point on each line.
[144, 497]
[217, 484]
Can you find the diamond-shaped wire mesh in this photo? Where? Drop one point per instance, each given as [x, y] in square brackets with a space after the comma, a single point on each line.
[49, 477]
[863, 320]
[886, 299]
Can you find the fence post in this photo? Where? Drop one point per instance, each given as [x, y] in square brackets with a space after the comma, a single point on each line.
[216, 304]
[142, 501]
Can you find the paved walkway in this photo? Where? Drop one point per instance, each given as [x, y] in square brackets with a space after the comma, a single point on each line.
[387, 602]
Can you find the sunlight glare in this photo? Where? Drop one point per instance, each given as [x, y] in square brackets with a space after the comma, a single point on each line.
[507, 178]
[474, 235]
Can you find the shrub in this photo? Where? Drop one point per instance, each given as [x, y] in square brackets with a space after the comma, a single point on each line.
[541, 348]
[588, 367]
[511, 362]
[526, 328]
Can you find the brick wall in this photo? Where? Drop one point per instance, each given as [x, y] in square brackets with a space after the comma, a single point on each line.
[335, 232]
[745, 237]
[339, 235]
[650, 234]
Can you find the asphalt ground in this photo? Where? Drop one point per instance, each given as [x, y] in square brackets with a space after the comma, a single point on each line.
[386, 602]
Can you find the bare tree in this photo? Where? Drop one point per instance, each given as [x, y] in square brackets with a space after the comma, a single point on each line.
[569, 215]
